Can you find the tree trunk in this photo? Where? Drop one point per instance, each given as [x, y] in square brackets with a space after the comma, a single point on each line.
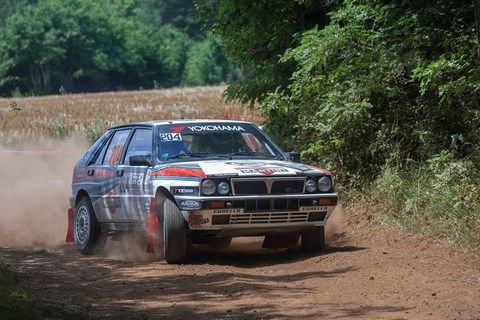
[476, 9]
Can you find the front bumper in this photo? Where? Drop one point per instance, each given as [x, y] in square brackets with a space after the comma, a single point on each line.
[255, 215]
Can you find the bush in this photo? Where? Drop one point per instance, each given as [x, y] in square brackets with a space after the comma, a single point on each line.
[383, 81]
[440, 198]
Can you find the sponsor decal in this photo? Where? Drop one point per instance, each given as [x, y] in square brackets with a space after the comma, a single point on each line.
[136, 181]
[184, 190]
[196, 220]
[166, 137]
[313, 208]
[202, 128]
[111, 202]
[177, 129]
[247, 164]
[190, 205]
[228, 210]
[265, 171]
[223, 175]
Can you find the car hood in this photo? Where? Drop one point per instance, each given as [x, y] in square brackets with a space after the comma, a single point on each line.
[246, 168]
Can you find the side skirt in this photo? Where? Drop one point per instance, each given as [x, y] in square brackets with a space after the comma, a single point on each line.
[123, 226]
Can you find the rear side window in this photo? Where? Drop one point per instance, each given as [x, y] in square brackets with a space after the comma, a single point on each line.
[92, 154]
[115, 147]
[140, 144]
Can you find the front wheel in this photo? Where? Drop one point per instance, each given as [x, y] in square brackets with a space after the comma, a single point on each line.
[175, 239]
[88, 236]
[314, 240]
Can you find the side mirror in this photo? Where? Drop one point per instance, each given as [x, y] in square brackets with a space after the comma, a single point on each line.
[141, 160]
[293, 156]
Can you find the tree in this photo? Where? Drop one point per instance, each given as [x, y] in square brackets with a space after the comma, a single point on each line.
[255, 34]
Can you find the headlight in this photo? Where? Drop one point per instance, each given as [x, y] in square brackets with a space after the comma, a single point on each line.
[208, 187]
[223, 188]
[311, 186]
[324, 184]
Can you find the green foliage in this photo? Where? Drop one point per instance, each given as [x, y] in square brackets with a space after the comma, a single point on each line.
[80, 45]
[382, 82]
[440, 198]
[254, 35]
[206, 64]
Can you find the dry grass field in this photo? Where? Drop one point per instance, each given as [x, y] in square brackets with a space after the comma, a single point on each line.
[28, 120]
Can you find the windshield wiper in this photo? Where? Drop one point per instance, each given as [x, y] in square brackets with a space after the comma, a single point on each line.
[246, 153]
[188, 154]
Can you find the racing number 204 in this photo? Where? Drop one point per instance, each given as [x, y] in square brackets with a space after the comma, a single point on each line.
[170, 137]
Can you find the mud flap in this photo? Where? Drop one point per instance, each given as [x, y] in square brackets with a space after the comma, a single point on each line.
[69, 237]
[152, 227]
[278, 241]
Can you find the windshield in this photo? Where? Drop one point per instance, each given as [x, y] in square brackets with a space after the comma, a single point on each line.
[214, 140]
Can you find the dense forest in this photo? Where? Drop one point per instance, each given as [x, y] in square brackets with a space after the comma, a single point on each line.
[384, 93]
[52, 46]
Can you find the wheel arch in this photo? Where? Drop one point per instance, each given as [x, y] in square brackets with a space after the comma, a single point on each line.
[81, 194]
[162, 194]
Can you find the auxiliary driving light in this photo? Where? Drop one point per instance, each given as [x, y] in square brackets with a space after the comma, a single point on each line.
[311, 186]
[223, 188]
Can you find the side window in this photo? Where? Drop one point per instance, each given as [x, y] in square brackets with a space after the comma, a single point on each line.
[141, 143]
[115, 147]
[98, 148]
[101, 154]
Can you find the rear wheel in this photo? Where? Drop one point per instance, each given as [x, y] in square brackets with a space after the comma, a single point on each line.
[88, 236]
[175, 239]
[314, 240]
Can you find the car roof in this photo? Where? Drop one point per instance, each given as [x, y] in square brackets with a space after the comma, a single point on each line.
[154, 123]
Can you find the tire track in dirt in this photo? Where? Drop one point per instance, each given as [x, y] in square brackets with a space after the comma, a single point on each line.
[370, 273]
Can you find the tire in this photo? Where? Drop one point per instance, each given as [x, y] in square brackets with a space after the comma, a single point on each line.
[87, 234]
[175, 239]
[314, 240]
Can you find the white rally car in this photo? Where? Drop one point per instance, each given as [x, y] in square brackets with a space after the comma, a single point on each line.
[196, 181]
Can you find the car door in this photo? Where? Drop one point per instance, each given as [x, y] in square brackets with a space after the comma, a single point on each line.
[108, 203]
[137, 196]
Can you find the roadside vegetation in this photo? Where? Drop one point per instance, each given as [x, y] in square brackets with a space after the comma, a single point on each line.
[386, 94]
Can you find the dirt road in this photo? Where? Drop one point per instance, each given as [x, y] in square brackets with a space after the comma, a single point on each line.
[369, 273]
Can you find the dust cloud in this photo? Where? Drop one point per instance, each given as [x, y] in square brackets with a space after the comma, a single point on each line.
[335, 225]
[34, 189]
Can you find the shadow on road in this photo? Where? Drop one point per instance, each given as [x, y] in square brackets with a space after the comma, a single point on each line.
[216, 285]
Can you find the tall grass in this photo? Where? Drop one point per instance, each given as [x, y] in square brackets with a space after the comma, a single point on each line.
[26, 120]
[440, 198]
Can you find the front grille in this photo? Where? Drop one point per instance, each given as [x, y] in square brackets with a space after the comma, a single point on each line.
[287, 186]
[268, 186]
[267, 205]
[250, 187]
[268, 217]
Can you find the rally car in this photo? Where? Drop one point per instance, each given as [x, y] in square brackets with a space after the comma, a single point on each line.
[196, 181]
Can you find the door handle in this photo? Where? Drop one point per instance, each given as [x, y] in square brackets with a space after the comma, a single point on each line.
[90, 172]
[120, 173]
